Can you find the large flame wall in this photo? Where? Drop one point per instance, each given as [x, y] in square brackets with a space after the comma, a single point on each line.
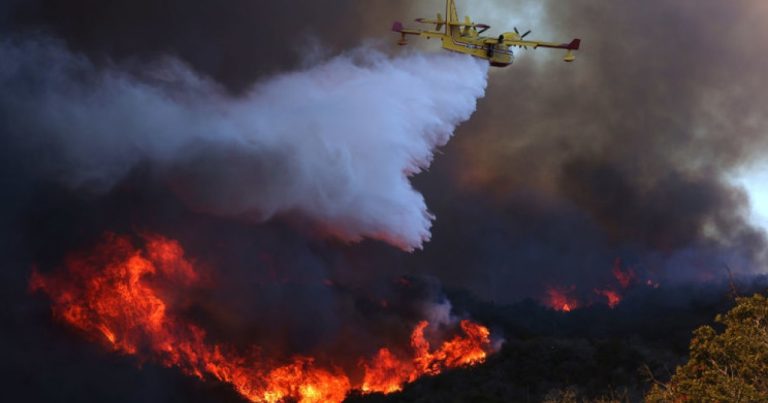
[125, 297]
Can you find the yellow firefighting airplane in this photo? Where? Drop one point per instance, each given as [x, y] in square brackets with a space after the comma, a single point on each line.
[464, 37]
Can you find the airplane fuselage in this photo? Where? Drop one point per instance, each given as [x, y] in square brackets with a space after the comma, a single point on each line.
[498, 55]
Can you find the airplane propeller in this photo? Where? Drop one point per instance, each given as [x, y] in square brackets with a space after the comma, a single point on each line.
[523, 35]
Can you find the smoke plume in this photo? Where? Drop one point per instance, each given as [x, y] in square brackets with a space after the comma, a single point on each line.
[335, 143]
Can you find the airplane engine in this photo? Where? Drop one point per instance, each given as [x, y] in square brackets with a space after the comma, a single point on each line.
[515, 36]
[510, 36]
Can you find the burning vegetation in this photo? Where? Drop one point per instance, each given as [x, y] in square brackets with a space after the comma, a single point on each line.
[387, 373]
[560, 298]
[564, 299]
[130, 299]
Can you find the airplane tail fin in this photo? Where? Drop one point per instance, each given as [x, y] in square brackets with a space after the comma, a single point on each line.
[397, 26]
[574, 45]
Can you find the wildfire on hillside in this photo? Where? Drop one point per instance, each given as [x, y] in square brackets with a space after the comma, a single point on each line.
[560, 298]
[564, 299]
[387, 373]
[122, 296]
[613, 298]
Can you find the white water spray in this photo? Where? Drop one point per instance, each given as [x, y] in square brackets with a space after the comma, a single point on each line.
[335, 143]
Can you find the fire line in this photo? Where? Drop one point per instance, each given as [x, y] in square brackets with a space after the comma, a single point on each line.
[112, 295]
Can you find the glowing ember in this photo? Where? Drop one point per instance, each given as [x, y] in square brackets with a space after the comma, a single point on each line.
[624, 277]
[116, 295]
[613, 297]
[559, 299]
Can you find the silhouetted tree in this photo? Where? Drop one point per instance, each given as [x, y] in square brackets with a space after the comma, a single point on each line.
[731, 366]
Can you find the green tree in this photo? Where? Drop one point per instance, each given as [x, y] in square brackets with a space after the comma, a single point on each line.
[731, 366]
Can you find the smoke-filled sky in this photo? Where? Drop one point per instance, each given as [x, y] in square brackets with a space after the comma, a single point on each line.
[646, 148]
[631, 152]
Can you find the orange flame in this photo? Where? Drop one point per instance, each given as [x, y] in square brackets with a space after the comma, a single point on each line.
[559, 299]
[387, 373]
[114, 295]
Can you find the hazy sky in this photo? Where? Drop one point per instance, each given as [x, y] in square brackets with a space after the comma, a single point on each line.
[633, 148]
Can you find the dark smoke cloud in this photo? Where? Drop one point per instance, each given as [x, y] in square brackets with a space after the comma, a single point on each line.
[624, 153]
[235, 43]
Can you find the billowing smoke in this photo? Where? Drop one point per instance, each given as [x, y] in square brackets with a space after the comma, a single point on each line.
[335, 143]
[624, 153]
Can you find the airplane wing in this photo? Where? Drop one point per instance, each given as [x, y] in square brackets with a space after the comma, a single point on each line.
[438, 22]
[397, 26]
[570, 47]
